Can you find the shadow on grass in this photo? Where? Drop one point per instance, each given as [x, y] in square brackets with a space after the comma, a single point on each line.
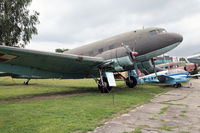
[74, 91]
[162, 85]
[67, 91]
[43, 85]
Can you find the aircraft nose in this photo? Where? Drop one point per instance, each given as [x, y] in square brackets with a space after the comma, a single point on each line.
[174, 38]
[178, 37]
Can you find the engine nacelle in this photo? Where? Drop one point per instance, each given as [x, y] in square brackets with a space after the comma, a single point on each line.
[122, 61]
[146, 67]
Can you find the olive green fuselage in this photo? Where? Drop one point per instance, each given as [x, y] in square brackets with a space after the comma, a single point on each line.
[84, 61]
[149, 43]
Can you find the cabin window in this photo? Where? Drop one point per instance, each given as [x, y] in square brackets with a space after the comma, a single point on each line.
[100, 50]
[111, 47]
[91, 53]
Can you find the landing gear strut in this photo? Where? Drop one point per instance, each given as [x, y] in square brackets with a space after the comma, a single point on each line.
[26, 82]
[177, 85]
[103, 84]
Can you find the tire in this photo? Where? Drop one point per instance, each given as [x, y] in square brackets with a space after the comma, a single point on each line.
[105, 88]
[176, 86]
[179, 85]
[132, 82]
[25, 83]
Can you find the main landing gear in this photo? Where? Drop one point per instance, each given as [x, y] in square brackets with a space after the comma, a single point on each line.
[26, 82]
[177, 85]
[131, 81]
[103, 84]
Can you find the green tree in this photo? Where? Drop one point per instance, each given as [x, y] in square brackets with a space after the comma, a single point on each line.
[58, 50]
[17, 24]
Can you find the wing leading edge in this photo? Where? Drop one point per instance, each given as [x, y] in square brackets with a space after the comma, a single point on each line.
[39, 64]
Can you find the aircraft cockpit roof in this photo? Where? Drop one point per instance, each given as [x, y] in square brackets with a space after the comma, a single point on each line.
[152, 31]
[157, 31]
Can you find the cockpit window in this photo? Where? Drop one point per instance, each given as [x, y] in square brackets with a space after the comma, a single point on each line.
[162, 31]
[158, 31]
[153, 32]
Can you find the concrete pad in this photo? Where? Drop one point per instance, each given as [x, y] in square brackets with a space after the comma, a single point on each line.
[182, 114]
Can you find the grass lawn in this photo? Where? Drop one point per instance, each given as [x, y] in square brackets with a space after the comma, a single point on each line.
[80, 108]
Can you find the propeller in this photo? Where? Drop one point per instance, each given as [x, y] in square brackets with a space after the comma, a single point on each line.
[154, 66]
[132, 54]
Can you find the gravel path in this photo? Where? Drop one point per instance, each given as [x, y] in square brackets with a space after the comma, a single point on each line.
[176, 111]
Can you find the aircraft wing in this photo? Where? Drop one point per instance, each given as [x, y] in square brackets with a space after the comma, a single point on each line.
[6, 74]
[37, 64]
[195, 75]
[164, 78]
[172, 80]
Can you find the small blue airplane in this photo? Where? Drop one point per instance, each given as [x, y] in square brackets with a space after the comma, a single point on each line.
[174, 77]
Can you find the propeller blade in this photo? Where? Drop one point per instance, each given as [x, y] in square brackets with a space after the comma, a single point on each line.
[132, 54]
[136, 69]
[154, 66]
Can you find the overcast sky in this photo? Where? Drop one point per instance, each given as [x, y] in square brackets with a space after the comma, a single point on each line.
[73, 23]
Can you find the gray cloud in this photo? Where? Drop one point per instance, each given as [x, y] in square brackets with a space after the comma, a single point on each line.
[70, 22]
[185, 50]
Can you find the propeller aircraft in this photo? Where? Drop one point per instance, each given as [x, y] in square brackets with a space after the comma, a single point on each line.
[124, 52]
[173, 76]
[194, 59]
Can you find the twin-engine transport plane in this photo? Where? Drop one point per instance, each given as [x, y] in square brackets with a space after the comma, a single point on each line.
[194, 59]
[124, 52]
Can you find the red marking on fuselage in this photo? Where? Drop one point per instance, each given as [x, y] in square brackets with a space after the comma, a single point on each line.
[5, 57]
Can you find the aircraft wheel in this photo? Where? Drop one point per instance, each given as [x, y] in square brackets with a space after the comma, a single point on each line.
[25, 83]
[179, 85]
[105, 88]
[132, 82]
[175, 86]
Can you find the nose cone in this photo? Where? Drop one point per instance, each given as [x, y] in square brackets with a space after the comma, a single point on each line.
[169, 41]
[174, 38]
[178, 37]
